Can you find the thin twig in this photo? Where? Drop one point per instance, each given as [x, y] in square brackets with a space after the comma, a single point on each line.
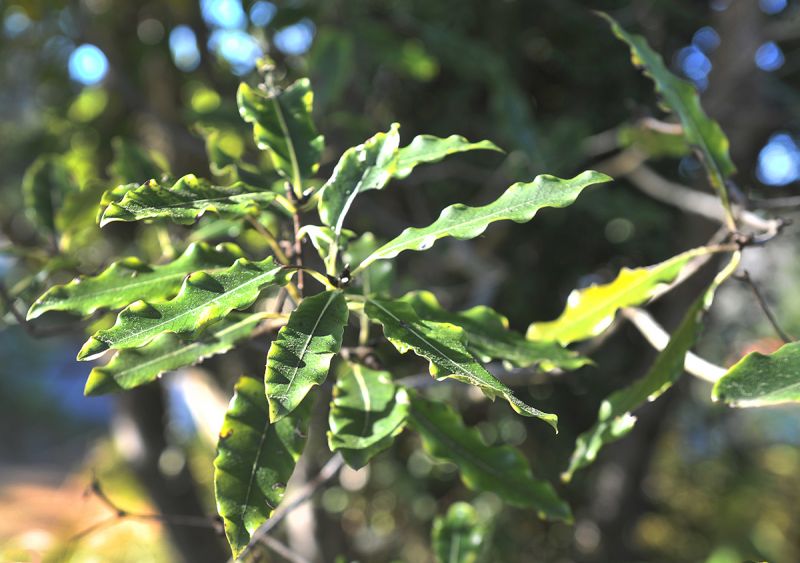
[298, 241]
[271, 240]
[785, 336]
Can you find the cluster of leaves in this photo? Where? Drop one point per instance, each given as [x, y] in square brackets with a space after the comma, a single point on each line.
[210, 299]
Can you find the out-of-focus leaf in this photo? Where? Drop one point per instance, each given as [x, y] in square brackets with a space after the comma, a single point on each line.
[282, 124]
[459, 536]
[590, 311]
[498, 469]
[89, 105]
[331, 63]
[682, 98]
[443, 345]
[131, 279]
[300, 356]
[425, 149]
[44, 185]
[614, 419]
[368, 166]
[367, 409]
[203, 299]
[377, 278]
[255, 459]
[132, 163]
[519, 204]
[652, 142]
[759, 380]
[488, 335]
[186, 200]
[136, 366]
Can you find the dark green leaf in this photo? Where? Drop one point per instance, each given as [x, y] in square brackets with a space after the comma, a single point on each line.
[203, 299]
[44, 185]
[300, 356]
[759, 380]
[498, 469]
[459, 536]
[255, 459]
[367, 411]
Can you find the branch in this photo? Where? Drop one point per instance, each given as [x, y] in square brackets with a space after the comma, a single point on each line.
[658, 339]
[785, 336]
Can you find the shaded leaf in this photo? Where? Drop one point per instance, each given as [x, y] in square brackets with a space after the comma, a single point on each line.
[498, 469]
[654, 143]
[136, 366]
[377, 278]
[203, 299]
[424, 149]
[488, 336]
[443, 345]
[185, 201]
[614, 419]
[759, 380]
[133, 163]
[590, 311]
[255, 459]
[367, 411]
[44, 185]
[681, 97]
[459, 536]
[131, 279]
[519, 204]
[300, 356]
[282, 124]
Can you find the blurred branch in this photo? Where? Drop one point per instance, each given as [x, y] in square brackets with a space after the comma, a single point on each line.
[785, 336]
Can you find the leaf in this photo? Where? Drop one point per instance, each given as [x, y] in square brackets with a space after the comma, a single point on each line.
[365, 167]
[614, 419]
[519, 204]
[488, 336]
[185, 201]
[681, 97]
[425, 149]
[282, 125]
[759, 380]
[44, 185]
[442, 344]
[132, 163]
[300, 356]
[130, 279]
[654, 143]
[590, 311]
[136, 366]
[203, 299]
[367, 411]
[498, 469]
[255, 459]
[377, 278]
[459, 536]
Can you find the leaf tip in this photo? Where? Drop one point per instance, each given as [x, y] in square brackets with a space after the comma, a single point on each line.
[100, 383]
[93, 348]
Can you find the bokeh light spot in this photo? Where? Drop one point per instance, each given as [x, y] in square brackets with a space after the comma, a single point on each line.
[183, 46]
[87, 64]
[769, 57]
[779, 161]
[295, 39]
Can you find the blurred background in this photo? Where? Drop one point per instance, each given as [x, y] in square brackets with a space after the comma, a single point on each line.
[118, 90]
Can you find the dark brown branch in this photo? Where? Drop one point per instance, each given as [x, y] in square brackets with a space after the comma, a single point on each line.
[785, 336]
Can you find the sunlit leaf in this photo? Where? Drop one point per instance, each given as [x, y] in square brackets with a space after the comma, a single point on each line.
[590, 311]
[614, 419]
[759, 380]
[255, 459]
[424, 149]
[185, 201]
[300, 356]
[203, 299]
[488, 336]
[131, 279]
[136, 366]
[682, 98]
[367, 411]
[519, 204]
[459, 536]
[498, 469]
[443, 345]
[282, 124]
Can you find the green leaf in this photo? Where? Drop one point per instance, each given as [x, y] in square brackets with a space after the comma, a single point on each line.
[282, 125]
[44, 185]
[424, 149]
[614, 419]
[654, 143]
[590, 311]
[488, 336]
[137, 366]
[203, 299]
[377, 278]
[300, 356]
[367, 412]
[681, 97]
[185, 201]
[459, 536]
[255, 459]
[519, 204]
[132, 163]
[759, 380]
[130, 279]
[443, 345]
[498, 469]
[365, 167]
